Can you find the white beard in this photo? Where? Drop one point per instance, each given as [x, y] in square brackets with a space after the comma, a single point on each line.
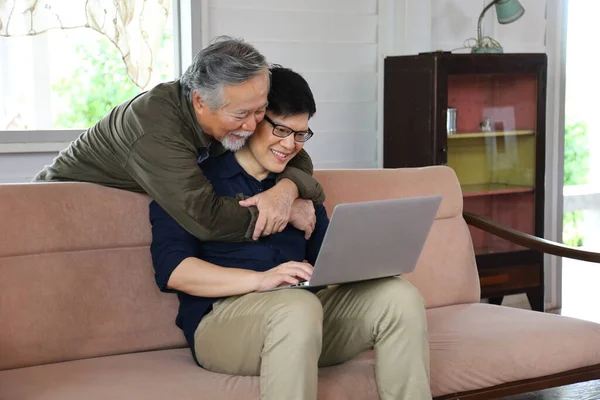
[235, 144]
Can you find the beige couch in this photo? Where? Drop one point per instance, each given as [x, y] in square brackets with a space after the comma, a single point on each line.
[81, 317]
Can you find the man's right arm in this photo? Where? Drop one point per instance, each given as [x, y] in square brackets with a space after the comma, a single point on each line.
[168, 172]
[178, 266]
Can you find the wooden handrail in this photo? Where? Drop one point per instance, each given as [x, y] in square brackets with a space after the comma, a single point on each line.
[530, 241]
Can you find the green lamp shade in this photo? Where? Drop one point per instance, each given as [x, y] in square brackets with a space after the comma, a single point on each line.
[509, 11]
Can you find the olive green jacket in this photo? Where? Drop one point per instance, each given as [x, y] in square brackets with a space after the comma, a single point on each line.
[151, 144]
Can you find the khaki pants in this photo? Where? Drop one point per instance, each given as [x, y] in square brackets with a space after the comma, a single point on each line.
[285, 335]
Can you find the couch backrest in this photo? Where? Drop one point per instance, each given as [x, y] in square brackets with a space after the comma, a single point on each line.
[76, 279]
[446, 272]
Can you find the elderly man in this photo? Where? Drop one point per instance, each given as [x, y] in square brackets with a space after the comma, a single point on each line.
[153, 142]
[234, 327]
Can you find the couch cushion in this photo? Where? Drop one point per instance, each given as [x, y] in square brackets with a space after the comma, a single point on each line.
[167, 374]
[77, 279]
[481, 345]
[77, 304]
[446, 272]
[355, 185]
[67, 216]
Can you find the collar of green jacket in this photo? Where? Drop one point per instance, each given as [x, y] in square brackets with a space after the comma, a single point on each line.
[189, 114]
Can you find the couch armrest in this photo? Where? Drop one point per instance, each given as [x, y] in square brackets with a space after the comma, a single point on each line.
[530, 241]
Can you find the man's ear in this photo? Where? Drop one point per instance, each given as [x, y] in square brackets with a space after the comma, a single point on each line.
[199, 105]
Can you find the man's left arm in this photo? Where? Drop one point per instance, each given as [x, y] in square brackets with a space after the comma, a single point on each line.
[299, 170]
[316, 239]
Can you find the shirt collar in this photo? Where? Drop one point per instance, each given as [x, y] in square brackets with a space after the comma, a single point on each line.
[230, 167]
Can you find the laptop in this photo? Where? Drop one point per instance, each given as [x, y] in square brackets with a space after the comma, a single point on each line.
[373, 239]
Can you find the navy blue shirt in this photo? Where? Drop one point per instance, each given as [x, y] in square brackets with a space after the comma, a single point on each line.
[171, 243]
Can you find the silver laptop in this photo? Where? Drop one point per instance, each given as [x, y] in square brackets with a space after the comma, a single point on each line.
[372, 240]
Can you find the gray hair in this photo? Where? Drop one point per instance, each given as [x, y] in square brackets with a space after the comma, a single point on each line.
[227, 61]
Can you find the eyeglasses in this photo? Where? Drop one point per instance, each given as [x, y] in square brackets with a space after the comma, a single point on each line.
[283, 131]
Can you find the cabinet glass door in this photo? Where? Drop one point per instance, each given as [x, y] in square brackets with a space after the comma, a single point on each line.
[491, 131]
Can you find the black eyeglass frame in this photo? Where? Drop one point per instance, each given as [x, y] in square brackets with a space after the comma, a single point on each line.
[308, 132]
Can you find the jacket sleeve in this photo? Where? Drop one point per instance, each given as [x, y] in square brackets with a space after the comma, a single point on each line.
[299, 170]
[168, 172]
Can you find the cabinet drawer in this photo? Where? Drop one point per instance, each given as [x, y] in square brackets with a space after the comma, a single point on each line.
[512, 278]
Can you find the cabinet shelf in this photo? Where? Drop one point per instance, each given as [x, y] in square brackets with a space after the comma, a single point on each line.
[485, 189]
[475, 135]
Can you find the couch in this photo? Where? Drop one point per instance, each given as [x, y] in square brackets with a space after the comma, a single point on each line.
[81, 316]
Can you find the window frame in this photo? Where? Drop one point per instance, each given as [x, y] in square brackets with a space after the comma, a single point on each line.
[187, 36]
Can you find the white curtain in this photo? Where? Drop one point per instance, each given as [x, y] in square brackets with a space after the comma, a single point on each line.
[135, 27]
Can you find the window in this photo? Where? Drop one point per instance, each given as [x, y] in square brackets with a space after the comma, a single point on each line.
[70, 78]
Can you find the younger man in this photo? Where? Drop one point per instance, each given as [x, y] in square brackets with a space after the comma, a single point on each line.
[285, 335]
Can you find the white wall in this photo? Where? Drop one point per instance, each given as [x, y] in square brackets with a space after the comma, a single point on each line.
[333, 44]
[445, 25]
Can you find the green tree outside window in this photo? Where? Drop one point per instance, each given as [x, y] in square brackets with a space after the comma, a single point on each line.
[577, 158]
[100, 82]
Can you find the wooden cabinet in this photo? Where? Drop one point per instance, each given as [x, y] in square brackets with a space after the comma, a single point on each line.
[484, 116]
